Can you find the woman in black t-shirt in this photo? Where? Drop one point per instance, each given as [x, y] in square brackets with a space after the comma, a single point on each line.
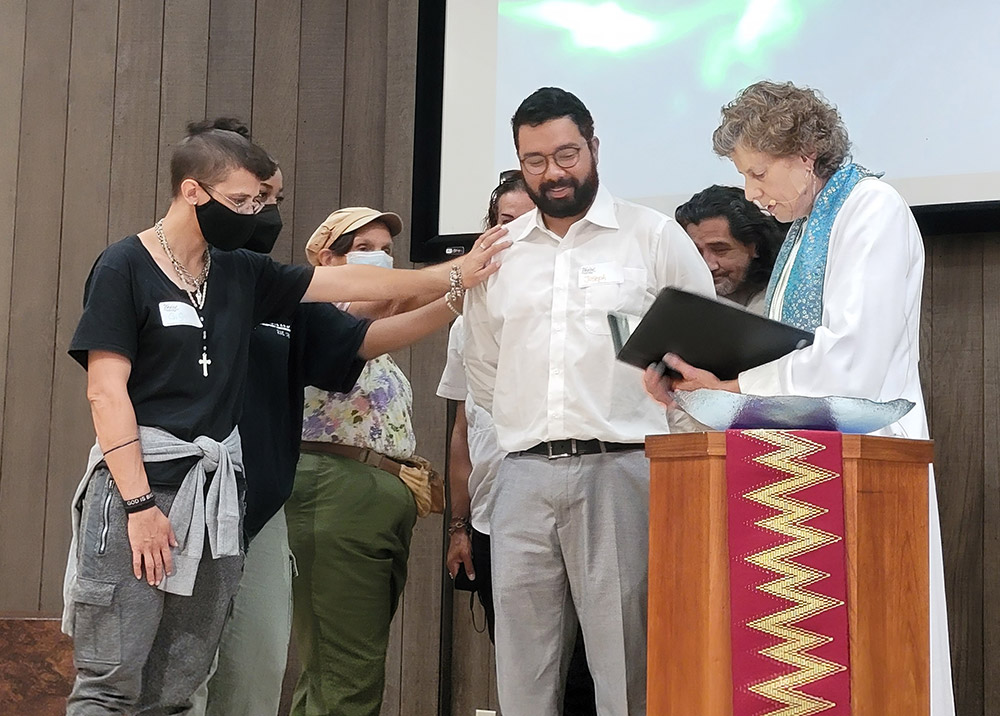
[164, 335]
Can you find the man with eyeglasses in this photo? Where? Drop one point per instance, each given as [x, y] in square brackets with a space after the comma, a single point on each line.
[570, 513]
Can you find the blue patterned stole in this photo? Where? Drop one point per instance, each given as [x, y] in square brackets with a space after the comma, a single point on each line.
[802, 306]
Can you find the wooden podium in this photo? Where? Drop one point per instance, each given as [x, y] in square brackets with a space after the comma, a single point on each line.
[886, 512]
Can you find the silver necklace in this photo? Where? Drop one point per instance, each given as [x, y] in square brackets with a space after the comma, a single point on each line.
[194, 287]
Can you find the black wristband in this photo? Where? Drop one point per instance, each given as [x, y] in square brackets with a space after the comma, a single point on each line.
[119, 447]
[140, 503]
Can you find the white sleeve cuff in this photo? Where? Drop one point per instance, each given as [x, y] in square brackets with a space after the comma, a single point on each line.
[762, 380]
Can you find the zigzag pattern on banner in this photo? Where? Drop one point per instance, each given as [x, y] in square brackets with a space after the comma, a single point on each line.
[794, 643]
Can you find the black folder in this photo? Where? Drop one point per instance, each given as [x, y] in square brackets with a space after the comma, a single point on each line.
[723, 339]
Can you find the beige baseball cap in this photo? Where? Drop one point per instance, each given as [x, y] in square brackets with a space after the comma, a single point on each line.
[344, 221]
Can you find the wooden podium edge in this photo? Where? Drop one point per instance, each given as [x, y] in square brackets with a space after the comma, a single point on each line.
[863, 447]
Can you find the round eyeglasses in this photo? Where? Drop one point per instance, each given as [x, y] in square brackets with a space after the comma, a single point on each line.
[564, 157]
[243, 205]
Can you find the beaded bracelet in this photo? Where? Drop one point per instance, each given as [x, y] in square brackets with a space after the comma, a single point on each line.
[455, 281]
[140, 503]
[450, 303]
[456, 291]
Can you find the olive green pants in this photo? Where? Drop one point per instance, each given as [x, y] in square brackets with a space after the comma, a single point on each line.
[349, 526]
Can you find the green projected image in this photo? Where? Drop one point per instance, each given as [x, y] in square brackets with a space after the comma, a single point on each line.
[732, 31]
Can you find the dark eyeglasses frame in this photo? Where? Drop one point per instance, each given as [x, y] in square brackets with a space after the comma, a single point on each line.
[569, 159]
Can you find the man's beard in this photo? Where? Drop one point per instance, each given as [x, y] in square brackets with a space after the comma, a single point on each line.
[573, 205]
[726, 286]
[732, 282]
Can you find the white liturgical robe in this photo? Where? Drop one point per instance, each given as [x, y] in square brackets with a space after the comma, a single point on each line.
[867, 347]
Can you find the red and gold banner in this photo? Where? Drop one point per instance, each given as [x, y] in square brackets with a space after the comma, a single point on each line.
[788, 573]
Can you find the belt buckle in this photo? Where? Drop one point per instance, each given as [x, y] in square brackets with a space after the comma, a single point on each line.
[369, 457]
[556, 456]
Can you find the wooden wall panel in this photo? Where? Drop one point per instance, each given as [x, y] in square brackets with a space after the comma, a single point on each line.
[399, 105]
[275, 105]
[471, 657]
[230, 59]
[137, 119]
[85, 201]
[991, 475]
[364, 106]
[958, 434]
[34, 283]
[12, 18]
[927, 335]
[183, 82]
[320, 118]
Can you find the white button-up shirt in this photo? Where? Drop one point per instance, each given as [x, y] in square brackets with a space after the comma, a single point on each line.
[538, 350]
[484, 453]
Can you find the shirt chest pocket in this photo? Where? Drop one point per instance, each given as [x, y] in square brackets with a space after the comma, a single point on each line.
[626, 296]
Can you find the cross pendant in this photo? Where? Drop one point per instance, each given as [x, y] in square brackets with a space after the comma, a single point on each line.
[204, 363]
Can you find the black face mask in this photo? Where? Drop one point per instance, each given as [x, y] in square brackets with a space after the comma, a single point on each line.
[222, 227]
[265, 233]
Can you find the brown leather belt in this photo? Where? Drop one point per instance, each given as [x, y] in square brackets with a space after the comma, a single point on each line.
[362, 455]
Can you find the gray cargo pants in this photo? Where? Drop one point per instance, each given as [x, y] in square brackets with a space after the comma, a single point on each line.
[139, 650]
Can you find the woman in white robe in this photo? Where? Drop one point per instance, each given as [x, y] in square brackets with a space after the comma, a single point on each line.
[863, 305]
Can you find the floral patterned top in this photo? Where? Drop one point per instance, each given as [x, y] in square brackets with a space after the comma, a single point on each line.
[376, 414]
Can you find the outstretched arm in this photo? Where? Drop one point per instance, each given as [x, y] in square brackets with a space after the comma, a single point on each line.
[353, 282]
[384, 308]
[395, 332]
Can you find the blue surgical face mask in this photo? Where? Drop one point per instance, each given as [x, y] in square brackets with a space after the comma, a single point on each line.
[370, 258]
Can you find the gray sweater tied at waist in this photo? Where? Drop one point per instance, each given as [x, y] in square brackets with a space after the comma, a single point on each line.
[193, 510]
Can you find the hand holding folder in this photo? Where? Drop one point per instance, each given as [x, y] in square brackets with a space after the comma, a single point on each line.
[722, 339]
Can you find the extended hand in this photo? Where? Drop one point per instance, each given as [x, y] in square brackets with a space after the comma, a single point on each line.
[658, 385]
[151, 537]
[460, 552]
[695, 378]
[478, 264]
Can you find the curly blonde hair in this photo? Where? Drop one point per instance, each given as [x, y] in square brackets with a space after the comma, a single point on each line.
[783, 120]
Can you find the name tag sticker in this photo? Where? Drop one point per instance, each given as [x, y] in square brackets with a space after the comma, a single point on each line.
[595, 274]
[178, 313]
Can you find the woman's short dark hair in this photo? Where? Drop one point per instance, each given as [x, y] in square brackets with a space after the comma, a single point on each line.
[341, 246]
[509, 181]
[230, 124]
[208, 153]
[550, 103]
[747, 223]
